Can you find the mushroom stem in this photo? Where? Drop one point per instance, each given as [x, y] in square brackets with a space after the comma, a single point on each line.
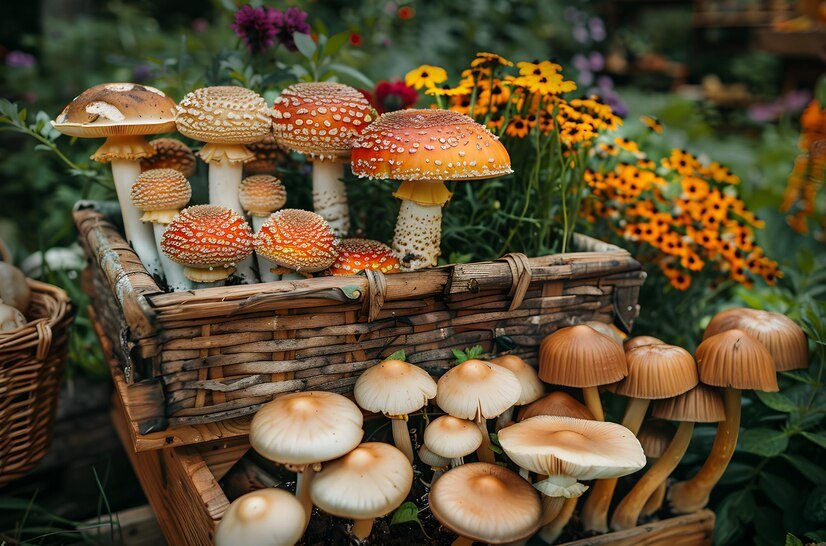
[655, 501]
[224, 179]
[550, 532]
[416, 241]
[505, 419]
[437, 473]
[485, 452]
[595, 510]
[174, 273]
[692, 495]
[302, 491]
[628, 511]
[330, 195]
[551, 507]
[591, 397]
[463, 541]
[401, 437]
[362, 528]
[264, 265]
[138, 234]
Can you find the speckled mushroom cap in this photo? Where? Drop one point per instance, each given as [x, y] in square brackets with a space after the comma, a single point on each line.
[784, 339]
[267, 517]
[320, 119]
[579, 356]
[428, 145]
[640, 341]
[532, 387]
[112, 109]
[654, 437]
[477, 390]
[223, 115]
[268, 156]
[207, 237]
[486, 503]
[735, 359]
[557, 403]
[297, 239]
[452, 437]
[356, 255]
[702, 404]
[657, 371]
[369, 482]
[170, 153]
[262, 194]
[160, 194]
[394, 387]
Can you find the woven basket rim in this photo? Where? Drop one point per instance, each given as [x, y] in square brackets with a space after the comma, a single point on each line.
[15, 339]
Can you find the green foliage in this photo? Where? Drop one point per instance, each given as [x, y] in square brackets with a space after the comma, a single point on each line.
[470, 353]
[398, 355]
[408, 512]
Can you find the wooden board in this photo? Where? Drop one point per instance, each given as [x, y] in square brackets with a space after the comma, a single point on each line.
[689, 530]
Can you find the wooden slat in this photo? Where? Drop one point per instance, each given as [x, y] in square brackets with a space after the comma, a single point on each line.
[689, 530]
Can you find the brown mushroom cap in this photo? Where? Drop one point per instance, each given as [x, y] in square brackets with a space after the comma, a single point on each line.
[160, 190]
[557, 403]
[14, 290]
[784, 339]
[262, 194]
[655, 436]
[170, 153]
[223, 115]
[640, 341]
[579, 356]
[394, 387]
[428, 145]
[297, 239]
[357, 255]
[735, 359]
[268, 156]
[113, 109]
[532, 387]
[477, 390]
[657, 371]
[702, 404]
[452, 437]
[487, 503]
[320, 119]
[205, 236]
[608, 330]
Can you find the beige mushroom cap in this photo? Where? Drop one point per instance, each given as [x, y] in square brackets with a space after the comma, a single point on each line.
[10, 318]
[657, 371]
[557, 403]
[655, 436]
[452, 437]
[223, 115]
[262, 194]
[170, 153]
[306, 428]
[487, 503]
[579, 356]
[394, 387]
[579, 448]
[297, 239]
[735, 359]
[267, 517]
[160, 189]
[14, 290]
[432, 459]
[369, 482]
[476, 389]
[532, 386]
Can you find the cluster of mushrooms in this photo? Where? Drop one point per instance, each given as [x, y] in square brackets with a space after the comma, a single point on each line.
[15, 298]
[555, 443]
[329, 123]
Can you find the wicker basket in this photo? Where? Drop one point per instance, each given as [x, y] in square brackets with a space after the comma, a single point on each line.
[216, 354]
[31, 368]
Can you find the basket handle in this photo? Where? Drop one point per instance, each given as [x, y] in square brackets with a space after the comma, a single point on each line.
[374, 294]
[44, 339]
[520, 277]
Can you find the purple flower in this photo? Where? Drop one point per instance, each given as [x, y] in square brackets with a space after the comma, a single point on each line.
[767, 111]
[597, 28]
[580, 34]
[580, 62]
[257, 27]
[20, 59]
[596, 60]
[290, 21]
[797, 100]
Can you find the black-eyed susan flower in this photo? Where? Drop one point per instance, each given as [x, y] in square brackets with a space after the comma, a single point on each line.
[517, 127]
[652, 123]
[425, 76]
[486, 60]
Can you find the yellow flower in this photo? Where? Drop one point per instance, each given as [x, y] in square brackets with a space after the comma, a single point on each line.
[549, 84]
[447, 91]
[425, 76]
[484, 59]
[652, 123]
[544, 68]
[517, 127]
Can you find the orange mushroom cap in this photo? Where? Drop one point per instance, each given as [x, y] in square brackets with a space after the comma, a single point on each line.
[641, 341]
[297, 239]
[170, 153]
[268, 156]
[206, 236]
[557, 403]
[579, 356]
[656, 372]
[735, 359]
[160, 191]
[356, 255]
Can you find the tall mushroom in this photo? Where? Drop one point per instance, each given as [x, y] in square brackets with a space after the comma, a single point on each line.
[452, 438]
[123, 113]
[423, 149]
[532, 386]
[267, 517]
[322, 120]
[170, 153]
[357, 255]
[735, 361]
[297, 240]
[261, 195]
[396, 389]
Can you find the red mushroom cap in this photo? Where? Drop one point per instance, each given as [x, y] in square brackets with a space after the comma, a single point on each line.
[355, 255]
[297, 239]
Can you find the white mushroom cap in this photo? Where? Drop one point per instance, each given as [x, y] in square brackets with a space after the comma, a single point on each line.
[394, 387]
[532, 387]
[369, 482]
[267, 517]
[432, 459]
[452, 437]
[579, 448]
[306, 428]
[476, 389]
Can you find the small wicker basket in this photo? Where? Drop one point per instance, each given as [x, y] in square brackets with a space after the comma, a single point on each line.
[31, 368]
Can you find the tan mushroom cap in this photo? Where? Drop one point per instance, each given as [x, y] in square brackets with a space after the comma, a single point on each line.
[267, 517]
[297, 239]
[320, 119]
[268, 156]
[657, 371]
[306, 428]
[223, 115]
[160, 190]
[170, 153]
[487, 503]
[477, 390]
[394, 387]
[357, 255]
[115, 109]
[557, 403]
[14, 289]
[432, 459]
[532, 387]
[702, 404]
[641, 341]
[608, 330]
[261, 194]
[784, 339]
[428, 145]
[10, 318]
[735, 359]
[370, 481]
[452, 437]
[580, 448]
[655, 436]
[579, 356]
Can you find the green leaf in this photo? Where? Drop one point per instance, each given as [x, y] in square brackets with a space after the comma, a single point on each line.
[815, 437]
[398, 355]
[764, 442]
[733, 513]
[778, 490]
[810, 470]
[815, 507]
[406, 513]
[818, 536]
[792, 540]
[353, 73]
[737, 473]
[305, 44]
[776, 401]
[335, 42]
[460, 355]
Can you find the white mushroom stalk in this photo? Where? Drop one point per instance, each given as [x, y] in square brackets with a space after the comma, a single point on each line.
[330, 195]
[138, 234]
[418, 234]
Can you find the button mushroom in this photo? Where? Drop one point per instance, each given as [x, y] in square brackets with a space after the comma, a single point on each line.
[261, 195]
[532, 386]
[267, 517]
[297, 240]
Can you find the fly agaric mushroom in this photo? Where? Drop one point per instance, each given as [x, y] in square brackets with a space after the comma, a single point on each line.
[579, 356]
[356, 255]
[654, 372]
[10, 318]
[699, 405]
[784, 339]
[452, 438]
[424, 148]
[396, 389]
[732, 360]
[437, 463]
[303, 429]
[566, 450]
[557, 403]
[267, 517]
[123, 113]
[170, 153]
[261, 195]
[298, 240]
[532, 386]
[208, 241]
[487, 503]
[640, 341]
[322, 120]
[14, 290]
[367, 483]
[268, 156]
[160, 194]
[478, 391]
